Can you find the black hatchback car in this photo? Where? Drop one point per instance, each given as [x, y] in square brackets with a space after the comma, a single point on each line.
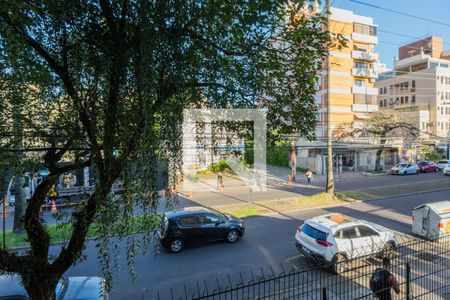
[196, 225]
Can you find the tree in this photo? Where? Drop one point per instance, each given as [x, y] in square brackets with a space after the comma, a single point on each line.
[382, 125]
[110, 81]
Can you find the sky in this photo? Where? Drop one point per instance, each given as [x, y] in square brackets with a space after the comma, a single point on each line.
[388, 43]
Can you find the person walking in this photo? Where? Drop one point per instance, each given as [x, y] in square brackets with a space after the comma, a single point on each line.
[220, 181]
[309, 176]
[383, 280]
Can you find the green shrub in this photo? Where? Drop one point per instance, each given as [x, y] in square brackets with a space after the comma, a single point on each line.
[279, 155]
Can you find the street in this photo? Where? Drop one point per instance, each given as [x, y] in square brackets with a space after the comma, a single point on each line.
[268, 245]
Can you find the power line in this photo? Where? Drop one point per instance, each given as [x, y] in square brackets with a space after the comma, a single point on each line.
[401, 13]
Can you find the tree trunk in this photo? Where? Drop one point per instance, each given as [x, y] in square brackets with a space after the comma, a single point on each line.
[39, 288]
[378, 160]
[19, 205]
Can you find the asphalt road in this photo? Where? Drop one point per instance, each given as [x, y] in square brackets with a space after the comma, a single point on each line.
[268, 244]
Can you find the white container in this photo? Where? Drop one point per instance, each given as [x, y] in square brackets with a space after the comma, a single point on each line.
[432, 220]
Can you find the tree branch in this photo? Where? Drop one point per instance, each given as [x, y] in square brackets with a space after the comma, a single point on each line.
[10, 262]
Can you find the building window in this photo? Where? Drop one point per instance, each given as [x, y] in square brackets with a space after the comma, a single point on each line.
[401, 100]
[406, 99]
[442, 79]
[385, 90]
[413, 99]
[364, 29]
[381, 91]
[360, 65]
[359, 82]
[444, 65]
[391, 101]
[433, 65]
[397, 100]
[381, 103]
[384, 102]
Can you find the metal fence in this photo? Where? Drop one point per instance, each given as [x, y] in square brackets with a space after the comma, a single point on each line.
[420, 266]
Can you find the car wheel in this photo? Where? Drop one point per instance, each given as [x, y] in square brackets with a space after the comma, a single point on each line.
[417, 172]
[405, 173]
[232, 236]
[338, 264]
[176, 245]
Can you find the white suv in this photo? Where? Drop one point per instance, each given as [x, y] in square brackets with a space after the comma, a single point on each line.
[335, 238]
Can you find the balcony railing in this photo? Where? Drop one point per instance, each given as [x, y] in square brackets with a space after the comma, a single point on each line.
[363, 55]
[364, 90]
[361, 72]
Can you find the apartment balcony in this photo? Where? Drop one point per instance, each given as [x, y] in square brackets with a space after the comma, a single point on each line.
[363, 55]
[364, 107]
[364, 90]
[361, 72]
[364, 38]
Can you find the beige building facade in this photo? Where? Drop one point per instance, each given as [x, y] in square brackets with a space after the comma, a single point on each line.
[419, 85]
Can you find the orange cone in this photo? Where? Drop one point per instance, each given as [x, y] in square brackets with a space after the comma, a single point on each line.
[54, 209]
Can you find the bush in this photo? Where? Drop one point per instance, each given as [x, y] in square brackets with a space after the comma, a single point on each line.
[279, 155]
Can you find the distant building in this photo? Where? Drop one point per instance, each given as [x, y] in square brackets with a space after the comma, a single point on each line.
[419, 85]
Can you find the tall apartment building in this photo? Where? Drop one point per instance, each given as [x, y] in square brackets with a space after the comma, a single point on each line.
[353, 71]
[419, 86]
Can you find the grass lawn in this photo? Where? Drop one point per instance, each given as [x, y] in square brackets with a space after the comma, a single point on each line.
[61, 233]
[279, 205]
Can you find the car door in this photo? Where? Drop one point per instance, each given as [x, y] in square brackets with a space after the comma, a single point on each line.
[370, 239]
[409, 169]
[189, 228]
[344, 240]
[212, 227]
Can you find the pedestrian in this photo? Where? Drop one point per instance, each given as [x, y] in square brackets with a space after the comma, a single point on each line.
[383, 280]
[220, 181]
[309, 176]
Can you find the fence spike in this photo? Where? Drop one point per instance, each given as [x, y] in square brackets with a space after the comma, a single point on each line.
[229, 280]
[198, 288]
[185, 291]
[242, 279]
[206, 287]
[218, 285]
[282, 268]
[262, 273]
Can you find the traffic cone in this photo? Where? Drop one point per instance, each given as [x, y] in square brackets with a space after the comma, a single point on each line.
[54, 209]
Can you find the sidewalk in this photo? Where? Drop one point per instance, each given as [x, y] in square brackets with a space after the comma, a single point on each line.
[275, 177]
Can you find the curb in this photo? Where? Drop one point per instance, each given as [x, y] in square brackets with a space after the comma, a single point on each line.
[376, 174]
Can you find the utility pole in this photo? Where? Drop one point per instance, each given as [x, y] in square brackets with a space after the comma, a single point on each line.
[330, 181]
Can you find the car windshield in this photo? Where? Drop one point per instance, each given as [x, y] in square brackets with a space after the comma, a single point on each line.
[314, 233]
[442, 162]
[423, 163]
[401, 165]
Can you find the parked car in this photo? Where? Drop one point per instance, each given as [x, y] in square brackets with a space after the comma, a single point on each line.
[68, 288]
[196, 225]
[334, 238]
[446, 170]
[427, 166]
[442, 163]
[405, 169]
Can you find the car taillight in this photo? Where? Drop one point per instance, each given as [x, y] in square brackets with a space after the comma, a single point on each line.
[324, 243]
[440, 225]
[299, 229]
